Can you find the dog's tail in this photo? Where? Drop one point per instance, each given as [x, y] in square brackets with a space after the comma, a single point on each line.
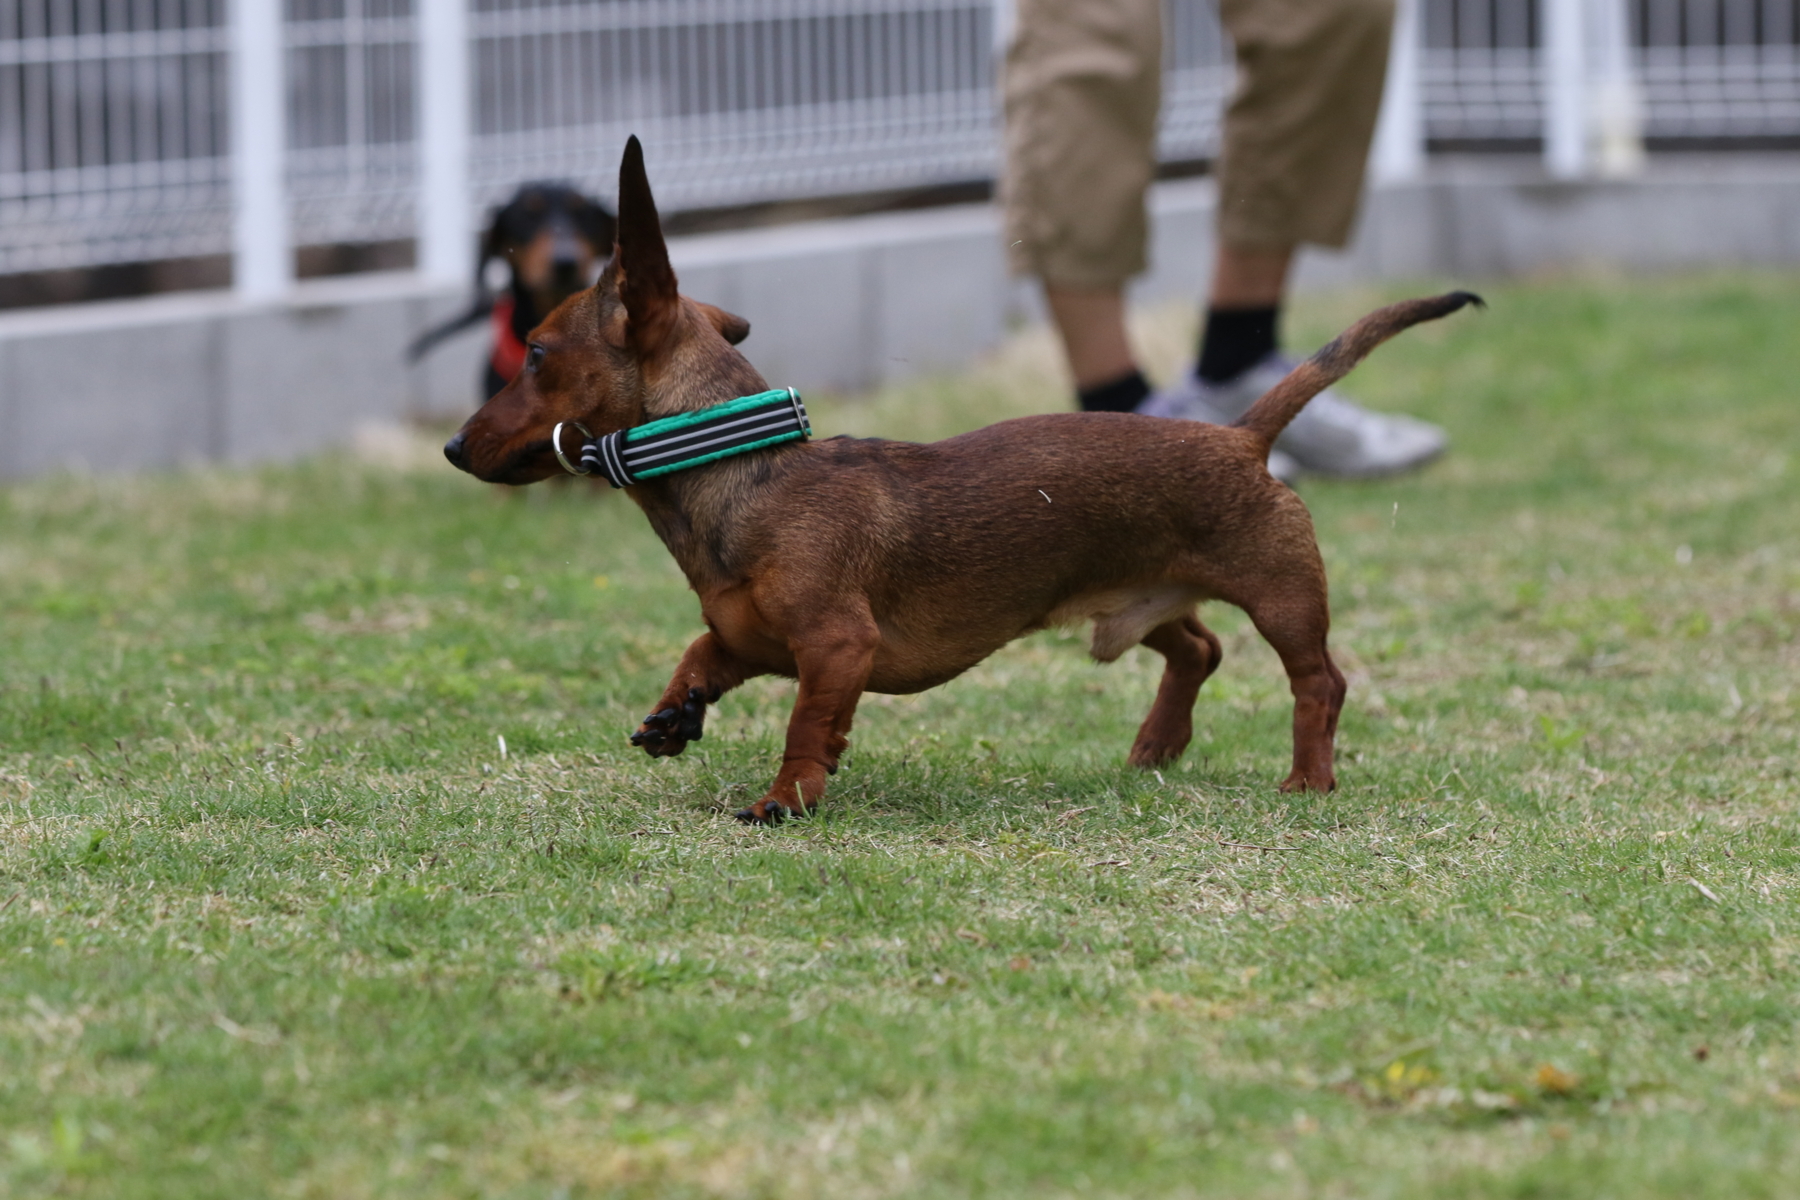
[1283, 402]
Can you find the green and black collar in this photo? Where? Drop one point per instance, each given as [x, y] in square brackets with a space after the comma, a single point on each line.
[691, 439]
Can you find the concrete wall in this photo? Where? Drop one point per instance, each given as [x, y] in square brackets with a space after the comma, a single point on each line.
[845, 305]
[204, 377]
[833, 305]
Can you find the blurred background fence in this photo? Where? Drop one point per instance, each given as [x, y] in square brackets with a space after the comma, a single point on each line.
[117, 142]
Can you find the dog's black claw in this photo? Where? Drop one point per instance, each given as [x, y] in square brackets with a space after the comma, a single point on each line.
[667, 731]
[693, 716]
[777, 814]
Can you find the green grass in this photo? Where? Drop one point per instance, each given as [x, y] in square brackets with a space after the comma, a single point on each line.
[278, 917]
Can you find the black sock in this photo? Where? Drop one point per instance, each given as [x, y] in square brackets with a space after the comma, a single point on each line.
[1121, 395]
[1235, 340]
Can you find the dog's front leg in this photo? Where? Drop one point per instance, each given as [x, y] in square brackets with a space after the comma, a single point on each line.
[834, 664]
[707, 671]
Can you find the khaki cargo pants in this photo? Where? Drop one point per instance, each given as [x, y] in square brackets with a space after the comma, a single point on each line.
[1083, 82]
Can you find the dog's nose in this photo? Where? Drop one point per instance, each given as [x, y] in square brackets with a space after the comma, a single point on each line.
[453, 450]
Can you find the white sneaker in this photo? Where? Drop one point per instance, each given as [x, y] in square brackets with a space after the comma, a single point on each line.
[1331, 436]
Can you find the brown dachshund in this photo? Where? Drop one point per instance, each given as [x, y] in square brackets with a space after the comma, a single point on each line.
[549, 237]
[860, 565]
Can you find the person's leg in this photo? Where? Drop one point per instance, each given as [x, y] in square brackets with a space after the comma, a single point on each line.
[1082, 86]
[1247, 277]
[1295, 136]
[1243, 311]
[1295, 142]
[1091, 325]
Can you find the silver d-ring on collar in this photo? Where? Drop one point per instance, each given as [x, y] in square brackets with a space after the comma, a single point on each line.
[556, 444]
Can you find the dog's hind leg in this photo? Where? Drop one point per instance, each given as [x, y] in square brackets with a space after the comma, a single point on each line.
[707, 671]
[1296, 628]
[1192, 654]
[834, 665]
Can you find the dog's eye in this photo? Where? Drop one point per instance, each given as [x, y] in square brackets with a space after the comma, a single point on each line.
[534, 358]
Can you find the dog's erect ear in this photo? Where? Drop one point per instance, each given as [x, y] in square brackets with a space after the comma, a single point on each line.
[731, 326]
[646, 280]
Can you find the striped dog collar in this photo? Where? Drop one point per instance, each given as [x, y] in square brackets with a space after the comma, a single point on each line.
[692, 439]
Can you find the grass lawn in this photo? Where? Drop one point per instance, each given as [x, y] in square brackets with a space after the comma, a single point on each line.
[325, 868]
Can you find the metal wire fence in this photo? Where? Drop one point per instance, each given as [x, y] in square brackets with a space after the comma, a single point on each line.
[1719, 68]
[114, 138]
[1715, 70]
[350, 153]
[738, 101]
[112, 131]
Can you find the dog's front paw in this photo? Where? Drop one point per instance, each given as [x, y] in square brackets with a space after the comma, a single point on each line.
[666, 733]
[772, 812]
[763, 812]
[797, 792]
[1317, 781]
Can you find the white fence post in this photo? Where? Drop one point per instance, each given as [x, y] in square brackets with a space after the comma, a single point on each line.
[1565, 89]
[262, 257]
[1593, 113]
[446, 250]
[1399, 152]
[1005, 16]
[1616, 103]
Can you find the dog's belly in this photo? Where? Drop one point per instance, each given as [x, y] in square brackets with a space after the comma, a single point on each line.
[914, 660]
[903, 674]
[1122, 616]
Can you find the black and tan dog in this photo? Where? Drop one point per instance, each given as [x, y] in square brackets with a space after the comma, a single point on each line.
[861, 565]
[548, 237]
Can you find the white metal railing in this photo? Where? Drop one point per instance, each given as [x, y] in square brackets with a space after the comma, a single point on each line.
[112, 138]
[350, 113]
[152, 129]
[1704, 69]
[745, 101]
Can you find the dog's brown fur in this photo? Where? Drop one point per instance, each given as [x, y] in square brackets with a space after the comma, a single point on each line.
[861, 565]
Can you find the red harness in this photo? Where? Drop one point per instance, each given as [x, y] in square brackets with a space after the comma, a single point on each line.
[509, 352]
